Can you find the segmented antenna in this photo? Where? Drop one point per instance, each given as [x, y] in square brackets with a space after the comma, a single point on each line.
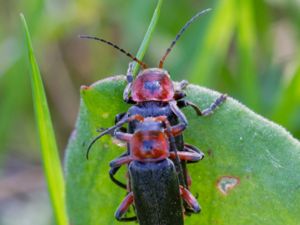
[161, 62]
[143, 65]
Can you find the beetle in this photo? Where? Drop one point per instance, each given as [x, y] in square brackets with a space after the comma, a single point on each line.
[153, 94]
[154, 186]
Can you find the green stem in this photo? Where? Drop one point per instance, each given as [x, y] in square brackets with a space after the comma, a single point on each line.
[146, 41]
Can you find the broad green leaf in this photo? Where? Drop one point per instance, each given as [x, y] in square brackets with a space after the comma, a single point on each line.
[241, 148]
[50, 155]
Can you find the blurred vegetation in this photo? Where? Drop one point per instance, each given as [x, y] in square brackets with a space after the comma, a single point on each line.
[248, 49]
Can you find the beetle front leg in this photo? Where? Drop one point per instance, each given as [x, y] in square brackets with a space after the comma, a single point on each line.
[129, 78]
[123, 208]
[206, 112]
[120, 161]
[183, 84]
[122, 136]
[190, 199]
[179, 94]
[181, 117]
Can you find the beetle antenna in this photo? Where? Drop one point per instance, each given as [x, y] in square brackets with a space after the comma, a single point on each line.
[92, 143]
[143, 65]
[161, 62]
[107, 131]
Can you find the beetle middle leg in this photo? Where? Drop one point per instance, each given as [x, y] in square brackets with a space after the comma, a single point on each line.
[114, 170]
[187, 156]
[193, 149]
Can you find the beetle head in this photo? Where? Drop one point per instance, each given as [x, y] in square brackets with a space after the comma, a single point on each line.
[149, 146]
[152, 84]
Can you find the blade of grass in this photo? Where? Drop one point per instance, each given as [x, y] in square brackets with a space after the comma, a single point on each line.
[286, 109]
[50, 156]
[146, 41]
[213, 45]
[246, 47]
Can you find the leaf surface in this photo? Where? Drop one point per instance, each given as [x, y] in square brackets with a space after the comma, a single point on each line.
[250, 174]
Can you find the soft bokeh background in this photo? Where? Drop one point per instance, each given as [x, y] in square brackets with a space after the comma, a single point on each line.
[248, 49]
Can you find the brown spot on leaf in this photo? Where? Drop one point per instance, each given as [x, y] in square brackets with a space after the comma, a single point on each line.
[227, 183]
[210, 152]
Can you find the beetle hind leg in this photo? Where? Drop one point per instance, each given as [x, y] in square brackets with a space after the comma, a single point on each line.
[190, 199]
[123, 208]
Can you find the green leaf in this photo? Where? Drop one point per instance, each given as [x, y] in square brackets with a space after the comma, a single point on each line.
[241, 148]
[50, 156]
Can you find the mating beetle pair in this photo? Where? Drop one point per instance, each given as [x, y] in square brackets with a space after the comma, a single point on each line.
[154, 134]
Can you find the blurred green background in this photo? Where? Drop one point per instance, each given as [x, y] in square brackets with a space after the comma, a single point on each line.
[248, 49]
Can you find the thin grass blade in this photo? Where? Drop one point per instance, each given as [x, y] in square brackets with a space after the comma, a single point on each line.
[50, 156]
[213, 44]
[146, 41]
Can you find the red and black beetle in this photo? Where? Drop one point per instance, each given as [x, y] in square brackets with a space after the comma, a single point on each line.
[154, 187]
[153, 94]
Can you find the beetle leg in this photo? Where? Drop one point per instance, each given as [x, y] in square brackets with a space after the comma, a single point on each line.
[119, 117]
[183, 84]
[177, 129]
[179, 95]
[114, 170]
[123, 208]
[190, 199]
[181, 117]
[129, 78]
[120, 161]
[187, 156]
[206, 112]
[112, 173]
[192, 149]
[122, 136]
[188, 179]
